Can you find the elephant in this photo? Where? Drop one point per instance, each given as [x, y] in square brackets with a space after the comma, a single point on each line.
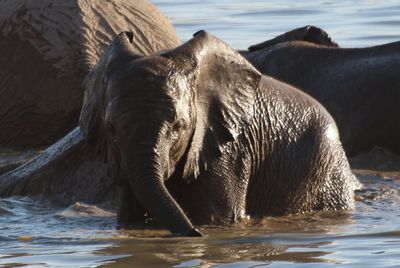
[47, 49]
[227, 141]
[308, 33]
[360, 87]
[196, 135]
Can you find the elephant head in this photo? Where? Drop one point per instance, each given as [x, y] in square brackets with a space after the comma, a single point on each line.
[156, 116]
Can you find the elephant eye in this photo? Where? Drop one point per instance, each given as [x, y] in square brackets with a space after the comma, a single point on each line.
[179, 126]
[111, 129]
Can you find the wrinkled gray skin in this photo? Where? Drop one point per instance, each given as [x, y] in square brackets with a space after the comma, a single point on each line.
[48, 47]
[196, 134]
[360, 87]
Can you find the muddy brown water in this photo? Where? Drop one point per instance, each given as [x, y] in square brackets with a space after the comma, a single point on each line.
[39, 234]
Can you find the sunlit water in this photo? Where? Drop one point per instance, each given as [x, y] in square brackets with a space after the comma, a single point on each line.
[39, 234]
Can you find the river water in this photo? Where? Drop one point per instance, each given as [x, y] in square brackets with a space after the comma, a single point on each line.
[39, 234]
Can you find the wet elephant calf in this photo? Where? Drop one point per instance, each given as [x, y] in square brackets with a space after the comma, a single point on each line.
[360, 87]
[196, 135]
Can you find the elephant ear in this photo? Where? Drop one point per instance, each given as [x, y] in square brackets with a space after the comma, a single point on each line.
[224, 86]
[307, 33]
[92, 114]
[121, 51]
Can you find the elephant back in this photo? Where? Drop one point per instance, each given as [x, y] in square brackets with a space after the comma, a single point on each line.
[48, 47]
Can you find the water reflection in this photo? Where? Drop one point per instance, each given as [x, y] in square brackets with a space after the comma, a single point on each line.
[291, 239]
[298, 239]
[319, 238]
[364, 236]
[37, 233]
[210, 251]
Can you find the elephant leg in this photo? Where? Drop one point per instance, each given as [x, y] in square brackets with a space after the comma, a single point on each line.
[130, 212]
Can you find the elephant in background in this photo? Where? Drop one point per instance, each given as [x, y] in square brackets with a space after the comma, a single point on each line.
[46, 50]
[307, 33]
[360, 87]
[48, 55]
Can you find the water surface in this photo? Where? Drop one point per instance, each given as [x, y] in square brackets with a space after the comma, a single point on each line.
[39, 234]
[241, 23]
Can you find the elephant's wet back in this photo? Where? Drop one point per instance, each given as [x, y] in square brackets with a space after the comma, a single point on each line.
[34, 98]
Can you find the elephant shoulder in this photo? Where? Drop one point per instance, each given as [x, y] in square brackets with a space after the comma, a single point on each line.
[298, 106]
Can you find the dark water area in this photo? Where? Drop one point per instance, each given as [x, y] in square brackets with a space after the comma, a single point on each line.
[36, 233]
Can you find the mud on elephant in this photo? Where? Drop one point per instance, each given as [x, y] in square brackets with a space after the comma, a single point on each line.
[360, 87]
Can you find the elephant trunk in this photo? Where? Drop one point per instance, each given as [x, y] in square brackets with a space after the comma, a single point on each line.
[148, 187]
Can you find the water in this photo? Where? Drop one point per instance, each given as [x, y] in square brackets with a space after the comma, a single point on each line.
[39, 234]
[241, 23]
